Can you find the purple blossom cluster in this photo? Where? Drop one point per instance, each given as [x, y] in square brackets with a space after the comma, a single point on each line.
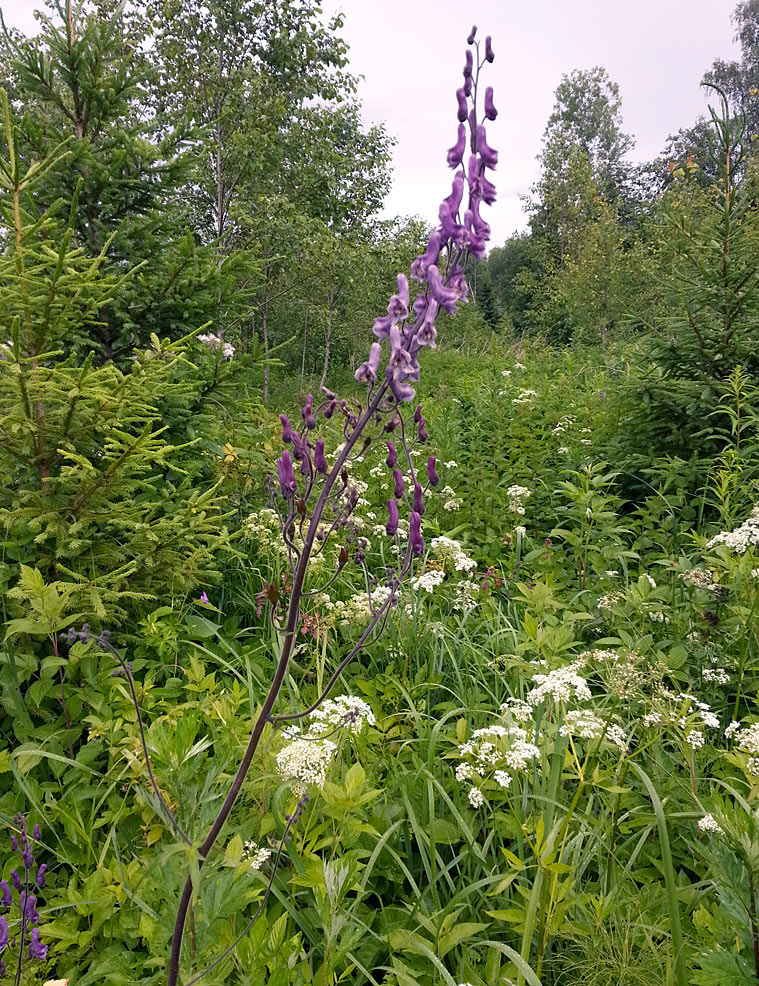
[21, 893]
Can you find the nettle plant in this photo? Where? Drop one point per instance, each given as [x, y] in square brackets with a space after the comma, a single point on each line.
[315, 493]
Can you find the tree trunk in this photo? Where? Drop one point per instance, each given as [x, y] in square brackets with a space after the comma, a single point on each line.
[305, 339]
[328, 335]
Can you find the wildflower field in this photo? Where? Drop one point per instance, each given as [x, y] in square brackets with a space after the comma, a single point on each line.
[396, 642]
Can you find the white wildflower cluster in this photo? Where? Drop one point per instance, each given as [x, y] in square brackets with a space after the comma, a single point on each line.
[524, 396]
[428, 581]
[746, 738]
[305, 762]
[517, 710]
[517, 495]
[684, 712]
[658, 616]
[255, 855]
[450, 554]
[700, 578]
[343, 712]
[716, 676]
[213, 342]
[622, 672]
[519, 366]
[710, 824]
[452, 502]
[563, 424]
[587, 725]
[609, 600]
[356, 611]
[466, 596]
[505, 373]
[739, 539]
[451, 464]
[495, 752]
[520, 531]
[561, 685]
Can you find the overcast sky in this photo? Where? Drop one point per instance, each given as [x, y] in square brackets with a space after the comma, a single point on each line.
[410, 53]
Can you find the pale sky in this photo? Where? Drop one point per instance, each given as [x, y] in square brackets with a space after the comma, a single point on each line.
[411, 52]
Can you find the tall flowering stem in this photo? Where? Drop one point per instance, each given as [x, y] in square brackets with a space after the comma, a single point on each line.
[318, 503]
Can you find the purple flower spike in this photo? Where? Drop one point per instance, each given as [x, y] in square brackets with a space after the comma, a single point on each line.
[422, 432]
[287, 481]
[392, 455]
[392, 513]
[490, 111]
[445, 297]
[36, 949]
[463, 110]
[468, 66]
[489, 56]
[432, 475]
[488, 155]
[4, 934]
[456, 153]
[7, 897]
[418, 499]
[399, 486]
[319, 461]
[367, 372]
[415, 533]
[16, 879]
[422, 263]
[470, 39]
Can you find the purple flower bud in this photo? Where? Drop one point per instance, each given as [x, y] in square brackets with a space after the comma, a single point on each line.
[392, 424]
[489, 56]
[488, 155]
[3, 968]
[4, 934]
[329, 410]
[36, 949]
[468, 86]
[28, 905]
[392, 455]
[468, 66]
[418, 413]
[287, 431]
[367, 372]
[418, 499]
[415, 533]
[456, 153]
[7, 897]
[399, 486]
[422, 431]
[463, 110]
[28, 858]
[319, 461]
[287, 481]
[14, 843]
[41, 878]
[490, 111]
[445, 297]
[37, 831]
[470, 39]
[392, 523]
[432, 475]
[16, 879]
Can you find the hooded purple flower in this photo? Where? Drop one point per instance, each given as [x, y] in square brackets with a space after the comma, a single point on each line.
[445, 297]
[37, 832]
[422, 263]
[422, 430]
[463, 110]
[392, 455]
[3, 933]
[455, 154]
[36, 949]
[41, 878]
[16, 879]
[397, 308]
[319, 461]
[287, 431]
[468, 66]
[287, 482]
[432, 475]
[7, 897]
[418, 499]
[400, 364]
[453, 201]
[399, 486]
[392, 523]
[490, 111]
[415, 533]
[470, 39]
[367, 372]
[489, 56]
[427, 333]
[488, 154]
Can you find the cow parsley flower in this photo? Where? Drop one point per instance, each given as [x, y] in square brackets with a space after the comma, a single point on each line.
[214, 342]
[343, 712]
[561, 685]
[305, 762]
[428, 581]
[476, 797]
[517, 495]
[255, 855]
[740, 538]
[709, 824]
